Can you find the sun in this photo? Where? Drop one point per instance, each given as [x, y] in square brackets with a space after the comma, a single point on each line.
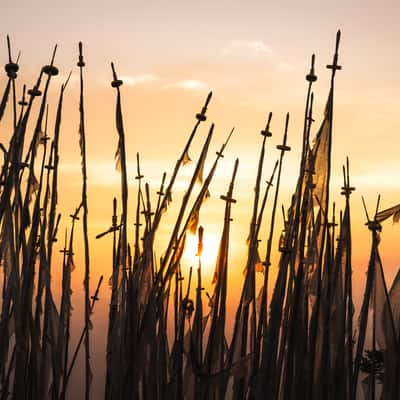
[209, 255]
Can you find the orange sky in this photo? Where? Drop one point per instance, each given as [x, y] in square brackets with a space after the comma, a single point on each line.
[254, 56]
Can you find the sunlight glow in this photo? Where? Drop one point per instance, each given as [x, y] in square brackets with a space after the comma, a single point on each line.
[210, 251]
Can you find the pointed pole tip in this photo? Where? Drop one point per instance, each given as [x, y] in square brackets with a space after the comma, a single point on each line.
[338, 34]
[54, 54]
[208, 99]
[67, 80]
[9, 48]
[80, 47]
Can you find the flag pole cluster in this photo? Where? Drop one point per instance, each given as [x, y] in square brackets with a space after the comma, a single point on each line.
[167, 335]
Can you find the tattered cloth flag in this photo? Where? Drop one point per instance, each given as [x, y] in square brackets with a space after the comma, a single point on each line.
[194, 220]
[201, 171]
[394, 296]
[320, 156]
[259, 266]
[33, 186]
[385, 214]
[385, 333]
[186, 158]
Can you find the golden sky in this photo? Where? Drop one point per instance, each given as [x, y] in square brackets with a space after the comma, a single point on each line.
[254, 55]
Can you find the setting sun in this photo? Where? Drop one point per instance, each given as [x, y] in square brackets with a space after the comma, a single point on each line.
[209, 255]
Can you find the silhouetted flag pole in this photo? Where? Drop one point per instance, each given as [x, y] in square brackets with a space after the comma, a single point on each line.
[139, 178]
[267, 261]
[200, 117]
[94, 298]
[11, 69]
[238, 348]
[175, 242]
[215, 354]
[86, 281]
[321, 154]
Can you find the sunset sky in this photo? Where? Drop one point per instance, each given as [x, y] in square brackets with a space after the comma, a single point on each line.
[254, 56]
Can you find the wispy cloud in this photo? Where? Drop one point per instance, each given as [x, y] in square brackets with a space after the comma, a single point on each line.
[189, 84]
[247, 47]
[138, 79]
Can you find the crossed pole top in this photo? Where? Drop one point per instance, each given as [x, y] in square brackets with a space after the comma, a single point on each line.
[74, 216]
[270, 182]
[45, 138]
[332, 224]
[114, 224]
[228, 197]
[116, 83]
[311, 77]
[11, 67]
[347, 189]
[284, 147]
[335, 66]
[147, 212]
[373, 225]
[56, 228]
[115, 207]
[66, 252]
[201, 116]
[266, 132]
[23, 101]
[139, 175]
[81, 62]
[161, 191]
[95, 296]
[220, 153]
[50, 69]
[309, 116]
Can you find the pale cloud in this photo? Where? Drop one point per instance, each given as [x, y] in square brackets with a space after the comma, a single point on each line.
[377, 181]
[138, 79]
[246, 47]
[103, 173]
[100, 173]
[189, 84]
[378, 175]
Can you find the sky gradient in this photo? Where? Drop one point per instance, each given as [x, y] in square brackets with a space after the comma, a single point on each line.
[254, 56]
